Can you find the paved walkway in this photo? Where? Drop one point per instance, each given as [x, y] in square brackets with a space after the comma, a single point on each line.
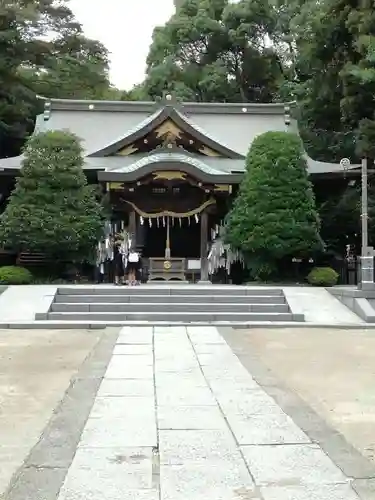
[20, 303]
[177, 417]
[319, 306]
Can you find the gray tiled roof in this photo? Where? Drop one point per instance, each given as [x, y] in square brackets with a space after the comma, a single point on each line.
[139, 126]
[101, 123]
[156, 119]
[200, 129]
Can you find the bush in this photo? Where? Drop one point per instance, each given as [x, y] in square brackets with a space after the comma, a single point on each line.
[13, 275]
[274, 215]
[322, 276]
[53, 210]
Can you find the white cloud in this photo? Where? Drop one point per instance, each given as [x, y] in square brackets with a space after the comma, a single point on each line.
[125, 27]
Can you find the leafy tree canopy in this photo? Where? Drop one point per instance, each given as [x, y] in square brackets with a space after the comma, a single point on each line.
[52, 209]
[43, 51]
[213, 50]
[336, 90]
[274, 214]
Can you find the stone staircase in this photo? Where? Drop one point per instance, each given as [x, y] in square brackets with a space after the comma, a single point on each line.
[169, 303]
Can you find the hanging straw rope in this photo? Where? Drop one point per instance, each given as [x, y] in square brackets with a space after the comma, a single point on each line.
[167, 213]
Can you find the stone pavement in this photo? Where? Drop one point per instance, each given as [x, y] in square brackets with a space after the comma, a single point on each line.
[21, 303]
[319, 306]
[294, 365]
[177, 417]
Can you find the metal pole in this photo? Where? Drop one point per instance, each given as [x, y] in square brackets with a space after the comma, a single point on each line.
[364, 216]
[168, 243]
[367, 256]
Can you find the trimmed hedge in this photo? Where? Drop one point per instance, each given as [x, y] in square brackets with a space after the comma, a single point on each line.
[14, 275]
[322, 276]
[274, 216]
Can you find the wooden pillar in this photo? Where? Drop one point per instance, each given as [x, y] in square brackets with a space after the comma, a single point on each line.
[204, 247]
[133, 228]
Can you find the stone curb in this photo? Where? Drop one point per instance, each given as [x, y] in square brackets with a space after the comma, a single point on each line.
[92, 325]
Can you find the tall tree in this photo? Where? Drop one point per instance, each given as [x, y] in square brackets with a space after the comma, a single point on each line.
[337, 61]
[212, 50]
[42, 50]
[75, 68]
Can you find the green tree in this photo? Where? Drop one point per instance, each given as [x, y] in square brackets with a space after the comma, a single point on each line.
[43, 51]
[52, 209]
[336, 60]
[76, 68]
[274, 214]
[212, 50]
[340, 216]
[341, 220]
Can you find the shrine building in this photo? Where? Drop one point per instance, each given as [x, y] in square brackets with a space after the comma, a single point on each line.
[171, 169]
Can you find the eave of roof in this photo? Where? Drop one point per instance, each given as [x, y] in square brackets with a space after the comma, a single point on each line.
[13, 165]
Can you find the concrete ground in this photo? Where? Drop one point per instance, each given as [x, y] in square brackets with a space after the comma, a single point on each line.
[325, 376]
[171, 413]
[332, 370]
[37, 368]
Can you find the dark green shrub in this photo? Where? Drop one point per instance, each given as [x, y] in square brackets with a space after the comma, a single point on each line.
[274, 215]
[322, 276]
[52, 209]
[13, 275]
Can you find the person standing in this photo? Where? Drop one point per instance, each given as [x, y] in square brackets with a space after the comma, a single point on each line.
[118, 261]
[133, 266]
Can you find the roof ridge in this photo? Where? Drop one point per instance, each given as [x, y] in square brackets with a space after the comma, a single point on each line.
[54, 104]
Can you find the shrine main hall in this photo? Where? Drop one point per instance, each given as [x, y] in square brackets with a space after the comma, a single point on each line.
[171, 169]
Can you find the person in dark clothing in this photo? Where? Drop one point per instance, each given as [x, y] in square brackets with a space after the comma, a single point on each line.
[118, 262]
[139, 274]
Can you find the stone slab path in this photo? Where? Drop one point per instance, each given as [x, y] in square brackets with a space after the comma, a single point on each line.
[177, 417]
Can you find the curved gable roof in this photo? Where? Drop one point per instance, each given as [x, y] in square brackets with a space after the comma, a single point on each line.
[157, 119]
[174, 157]
[193, 165]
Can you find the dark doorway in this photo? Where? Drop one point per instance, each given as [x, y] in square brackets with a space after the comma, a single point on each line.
[155, 238]
[184, 239]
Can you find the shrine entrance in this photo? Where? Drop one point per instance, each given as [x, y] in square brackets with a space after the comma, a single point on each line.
[173, 242]
[184, 235]
[170, 217]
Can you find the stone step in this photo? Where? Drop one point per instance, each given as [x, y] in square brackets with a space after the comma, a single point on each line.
[181, 290]
[186, 317]
[185, 307]
[171, 299]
